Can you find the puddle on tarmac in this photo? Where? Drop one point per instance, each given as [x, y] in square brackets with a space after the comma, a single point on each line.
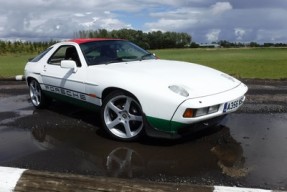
[13, 103]
[15, 143]
[249, 150]
[263, 138]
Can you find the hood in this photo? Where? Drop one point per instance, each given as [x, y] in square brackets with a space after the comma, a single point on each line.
[198, 80]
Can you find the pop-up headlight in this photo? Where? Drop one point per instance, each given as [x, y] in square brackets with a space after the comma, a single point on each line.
[179, 90]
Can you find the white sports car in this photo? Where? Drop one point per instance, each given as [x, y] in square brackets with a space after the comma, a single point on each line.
[134, 91]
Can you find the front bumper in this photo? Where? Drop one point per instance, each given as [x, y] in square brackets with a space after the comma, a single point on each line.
[202, 102]
[179, 125]
[185, 129]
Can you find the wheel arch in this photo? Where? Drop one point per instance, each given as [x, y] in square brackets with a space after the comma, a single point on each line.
[29, 79]
[109, 90]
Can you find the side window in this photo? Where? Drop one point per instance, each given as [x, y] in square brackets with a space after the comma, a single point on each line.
[66, 52]
[58, 56]
[41, 55]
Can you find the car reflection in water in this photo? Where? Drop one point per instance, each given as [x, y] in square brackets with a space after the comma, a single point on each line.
[217, 153]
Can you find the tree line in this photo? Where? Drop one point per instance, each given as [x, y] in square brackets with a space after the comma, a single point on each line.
[149, 40]
[227, 44]
[14, 47]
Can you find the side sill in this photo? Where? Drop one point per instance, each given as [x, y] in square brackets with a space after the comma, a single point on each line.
[72, 101]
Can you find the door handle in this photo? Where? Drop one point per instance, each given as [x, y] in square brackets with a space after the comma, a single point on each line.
[44, 69]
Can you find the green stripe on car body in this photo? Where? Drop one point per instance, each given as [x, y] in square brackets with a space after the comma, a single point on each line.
[73, 101]
[164, 125]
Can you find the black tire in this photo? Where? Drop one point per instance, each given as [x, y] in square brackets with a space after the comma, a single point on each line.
[122, 116]
[37, 97]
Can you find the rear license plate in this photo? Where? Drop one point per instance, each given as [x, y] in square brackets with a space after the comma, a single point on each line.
[233, 105]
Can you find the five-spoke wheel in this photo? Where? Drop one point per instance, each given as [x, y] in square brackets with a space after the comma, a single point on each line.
[36, 95]
[122, 116]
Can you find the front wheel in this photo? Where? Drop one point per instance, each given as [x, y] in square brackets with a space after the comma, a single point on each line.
[122, 116]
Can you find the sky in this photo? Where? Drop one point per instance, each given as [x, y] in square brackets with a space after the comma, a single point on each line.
[205, 20]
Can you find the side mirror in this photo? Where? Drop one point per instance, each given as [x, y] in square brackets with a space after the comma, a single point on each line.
[69, 64]
[155, 56]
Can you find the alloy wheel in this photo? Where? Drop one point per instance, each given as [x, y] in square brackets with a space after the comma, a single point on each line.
[123, 116]
[35, 93]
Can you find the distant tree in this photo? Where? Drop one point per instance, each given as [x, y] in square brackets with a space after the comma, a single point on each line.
[194, 45]
[254, 44]
[155, 39]
[225, 44]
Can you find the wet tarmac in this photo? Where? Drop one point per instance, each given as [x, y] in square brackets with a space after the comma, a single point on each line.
[248, 150]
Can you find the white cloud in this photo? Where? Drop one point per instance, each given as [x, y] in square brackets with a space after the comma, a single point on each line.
[110, 24]
[220, 7]
[206, 20]
[175, 20]
[57, 18]
[239, 33]
[171, 24]
[79, 15]
[105, 23]
[213, 35]
[89, 24]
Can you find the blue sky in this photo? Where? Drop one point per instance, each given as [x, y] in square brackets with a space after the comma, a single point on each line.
[206, 20]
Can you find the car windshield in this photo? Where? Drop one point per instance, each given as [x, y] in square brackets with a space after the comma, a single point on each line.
[113, 51]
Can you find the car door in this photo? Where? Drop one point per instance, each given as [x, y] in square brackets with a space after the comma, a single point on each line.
[62, 81]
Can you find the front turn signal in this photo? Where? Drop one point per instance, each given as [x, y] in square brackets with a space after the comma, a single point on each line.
[188, 113]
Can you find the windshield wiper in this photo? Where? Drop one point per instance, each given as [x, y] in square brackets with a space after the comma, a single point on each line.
[146, 55]
[114, 60]
[122, 59]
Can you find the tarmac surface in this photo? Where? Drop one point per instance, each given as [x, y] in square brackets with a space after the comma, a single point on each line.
[248, 150]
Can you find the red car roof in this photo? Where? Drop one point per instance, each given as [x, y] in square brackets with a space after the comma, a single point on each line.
[86, 40]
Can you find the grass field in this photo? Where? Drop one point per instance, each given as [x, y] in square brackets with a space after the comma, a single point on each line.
[262, 63]
[11, 65]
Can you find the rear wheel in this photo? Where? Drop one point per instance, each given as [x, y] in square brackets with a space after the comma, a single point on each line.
[122, 116]
[36, 95]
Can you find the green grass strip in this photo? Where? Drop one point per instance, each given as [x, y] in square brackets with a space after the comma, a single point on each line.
[260, 63]
[12, 64]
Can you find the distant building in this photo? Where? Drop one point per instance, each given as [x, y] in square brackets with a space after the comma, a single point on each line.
[209, 45]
